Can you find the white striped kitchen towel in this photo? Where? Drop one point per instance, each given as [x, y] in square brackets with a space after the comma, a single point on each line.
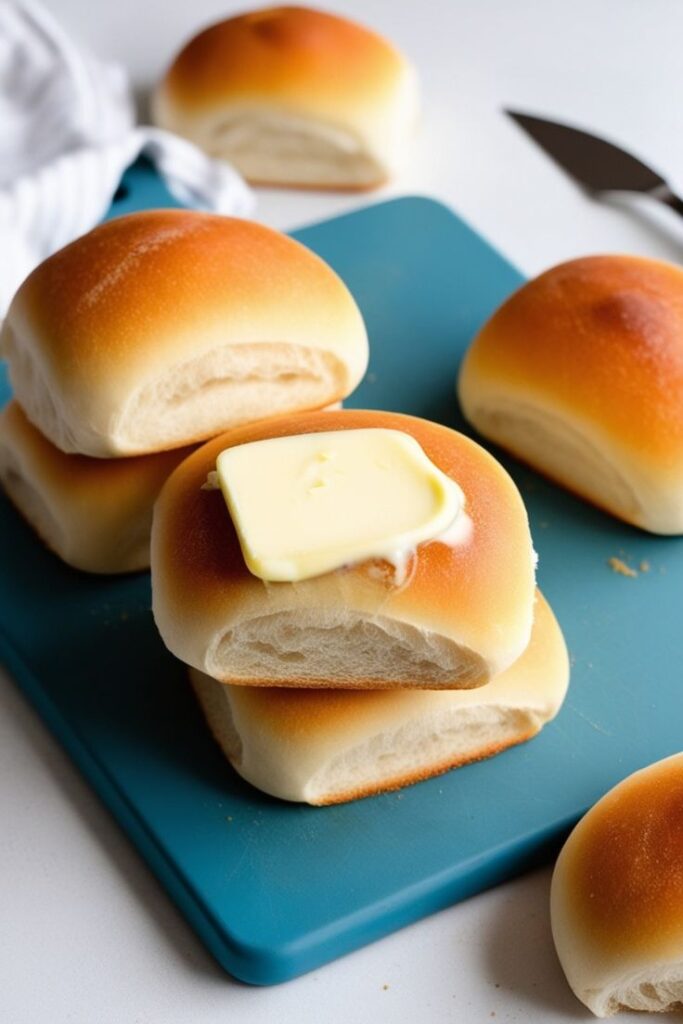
[67, 134]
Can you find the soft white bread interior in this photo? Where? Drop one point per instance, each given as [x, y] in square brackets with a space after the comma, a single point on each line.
[166, 327]
[327, 746]
[293, 96]
[580, 373]
[462, 615]
[617, 896]
[96, 514]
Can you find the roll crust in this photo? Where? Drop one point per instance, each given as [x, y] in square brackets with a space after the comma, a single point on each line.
[463, 615]
[617, 895]
[580, 373]
[163, 328]
[330, 746]
[293, 96]
[95, 514]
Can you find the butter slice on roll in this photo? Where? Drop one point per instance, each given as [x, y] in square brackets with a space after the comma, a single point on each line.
[461, 615]
[617, 896]
[163, 328]
[328, 746]
[293, 96]
[96, 514]
[304, 505]
[580, 373]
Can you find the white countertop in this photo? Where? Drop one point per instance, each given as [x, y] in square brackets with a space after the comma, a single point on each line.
[87, 935]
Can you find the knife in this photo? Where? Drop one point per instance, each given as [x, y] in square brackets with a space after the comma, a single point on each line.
[596, 165]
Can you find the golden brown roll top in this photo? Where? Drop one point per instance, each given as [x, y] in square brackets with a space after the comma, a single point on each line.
[292, 95]
[580, 373]
[163, 328]
[463, 615]
[96, 514]
[328, 746]
[617, 895]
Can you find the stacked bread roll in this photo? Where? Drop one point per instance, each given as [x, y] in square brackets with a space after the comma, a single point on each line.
[353, 681]
[158, 331]
[151, 333]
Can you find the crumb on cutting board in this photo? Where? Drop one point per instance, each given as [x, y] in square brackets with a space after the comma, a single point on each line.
[618, 565]
[644, 566]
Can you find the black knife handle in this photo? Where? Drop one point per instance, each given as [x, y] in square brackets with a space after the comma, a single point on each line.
[676, 203]
[669, 198]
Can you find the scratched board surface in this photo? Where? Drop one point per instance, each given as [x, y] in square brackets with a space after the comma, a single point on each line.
[276, 889]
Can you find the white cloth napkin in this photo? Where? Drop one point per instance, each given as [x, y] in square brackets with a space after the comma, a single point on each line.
[67, 134]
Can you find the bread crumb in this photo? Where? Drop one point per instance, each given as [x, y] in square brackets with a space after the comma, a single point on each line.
[619, 566]
[644, 566]
[384, 988]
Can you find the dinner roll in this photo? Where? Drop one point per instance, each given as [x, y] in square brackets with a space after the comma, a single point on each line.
[463, 614]
[293, 96]
[580, 373]
[166, 327]
[96, 514]
[328, 746]
[617, 896]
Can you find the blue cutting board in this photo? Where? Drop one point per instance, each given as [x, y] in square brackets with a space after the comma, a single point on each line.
[276, 889]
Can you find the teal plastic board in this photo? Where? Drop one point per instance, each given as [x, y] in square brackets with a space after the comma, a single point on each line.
[276, 889]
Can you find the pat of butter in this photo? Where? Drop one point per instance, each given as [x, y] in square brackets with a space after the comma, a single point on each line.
[311, 503]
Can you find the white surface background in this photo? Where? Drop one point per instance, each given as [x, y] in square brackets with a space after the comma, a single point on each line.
[86, 934]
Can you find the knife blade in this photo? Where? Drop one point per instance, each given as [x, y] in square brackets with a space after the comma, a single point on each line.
[593, 163]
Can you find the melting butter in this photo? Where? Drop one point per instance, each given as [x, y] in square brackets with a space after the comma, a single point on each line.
[308, 504]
